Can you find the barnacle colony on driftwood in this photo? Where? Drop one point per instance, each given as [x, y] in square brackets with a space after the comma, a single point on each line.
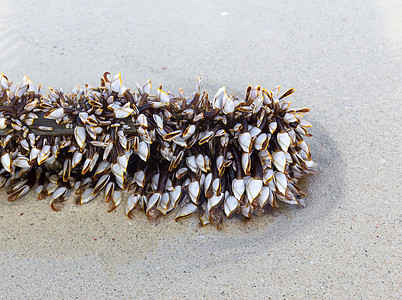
[219, 156]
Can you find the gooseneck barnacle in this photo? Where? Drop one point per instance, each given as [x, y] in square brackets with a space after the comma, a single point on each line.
[219, 156]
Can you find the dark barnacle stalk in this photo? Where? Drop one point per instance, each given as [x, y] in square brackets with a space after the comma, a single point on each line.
[219, 156]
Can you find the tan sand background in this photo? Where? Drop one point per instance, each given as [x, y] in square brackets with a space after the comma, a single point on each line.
[345, 60]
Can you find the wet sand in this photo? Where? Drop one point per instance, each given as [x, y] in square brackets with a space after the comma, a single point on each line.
[344, 59]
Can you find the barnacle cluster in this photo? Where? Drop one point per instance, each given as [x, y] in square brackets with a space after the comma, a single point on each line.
[219, 156]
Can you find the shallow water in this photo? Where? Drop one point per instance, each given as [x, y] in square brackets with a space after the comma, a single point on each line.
[343, 244]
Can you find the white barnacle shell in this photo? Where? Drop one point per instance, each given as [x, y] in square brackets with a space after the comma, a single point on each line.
[57, 194]
[218, 99]
[175, 195]
[263, 196]
[44, 154]
[123, 112]
[132, 203]
[55, 114]
[254, 131]
[147, 87]
[283, 140]
[162, 96]
[4, 84]
[21, 90]
[158, 120]
[194, 191]
[279, 160]
[246, 210]
[3, 123]
[281, 182]
[164, 203]
[186, 211]
[116, 83]
[139, 178]
[189, 131]
[268, 175]
[289, 117]
[142, 120]
[118, 170]
[246, 163]
[80, 135]
[192, 163]
[153, 200]
[228, 105]
[261, 142]
[201, 163]
[116, 198]
[245, 141]
[254, 187]
[272, 127]
[22, 162]
[6, 162]
[143, 150]
[87, 196]
[31, 105]
[238, 188]
[231, 204]
[214, 200]
[77, 157]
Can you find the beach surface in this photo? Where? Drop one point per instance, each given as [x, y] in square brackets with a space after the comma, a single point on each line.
[343, 57]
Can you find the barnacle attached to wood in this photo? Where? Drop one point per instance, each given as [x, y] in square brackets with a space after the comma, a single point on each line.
[218, 156]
